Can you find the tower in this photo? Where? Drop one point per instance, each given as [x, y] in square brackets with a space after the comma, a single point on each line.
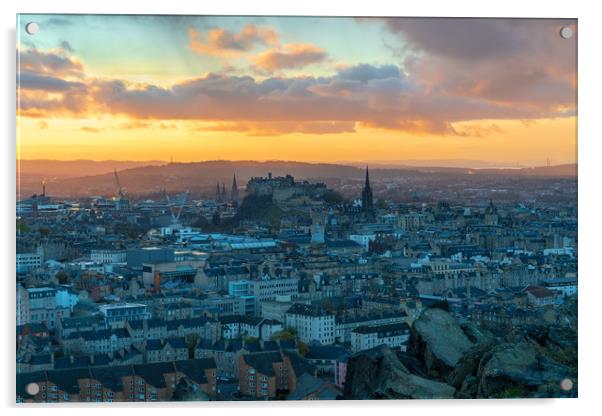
[318, 222]
[234, 192]
[491, 214]
[367, 198]
[224, 198]
[218, 194]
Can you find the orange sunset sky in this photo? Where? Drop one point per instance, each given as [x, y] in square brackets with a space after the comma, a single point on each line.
[292, 88]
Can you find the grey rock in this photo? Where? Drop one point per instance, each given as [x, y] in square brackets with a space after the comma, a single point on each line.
[379, 374]
[439, 341]
[510, 365]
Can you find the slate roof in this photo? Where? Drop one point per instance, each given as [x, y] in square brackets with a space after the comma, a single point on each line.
[307, 310]
[154, 345]
[111, 377]
[67, 380]
[324, 352]
[177, 342]
[153, 373]
[263, 362]
[384, 330]
[311, 385]
[300, 365]
[195, 369]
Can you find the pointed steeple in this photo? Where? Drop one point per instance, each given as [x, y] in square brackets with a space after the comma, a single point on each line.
[234, 192]
[367, 198]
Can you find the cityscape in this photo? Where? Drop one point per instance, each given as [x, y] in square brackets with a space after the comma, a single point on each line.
[165, 259]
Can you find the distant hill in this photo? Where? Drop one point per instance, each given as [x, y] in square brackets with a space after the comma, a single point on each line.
[202, 177]
[74, 168]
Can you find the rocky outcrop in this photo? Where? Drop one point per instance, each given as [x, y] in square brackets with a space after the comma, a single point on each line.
[379, 374]
[510, 366]
[439, 341]
[446, 359]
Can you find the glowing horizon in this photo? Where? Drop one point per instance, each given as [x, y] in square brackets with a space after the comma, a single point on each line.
[191, 89]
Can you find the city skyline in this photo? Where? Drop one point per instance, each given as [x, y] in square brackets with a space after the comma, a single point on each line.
[264, 88]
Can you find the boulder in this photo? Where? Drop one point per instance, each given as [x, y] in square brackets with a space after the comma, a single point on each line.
[379, 374]
[468, 365]
[518, 368]
[439, 341]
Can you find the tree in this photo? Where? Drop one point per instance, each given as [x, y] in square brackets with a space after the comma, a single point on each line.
[303, 348]
[250, 340]
[287, 334]
[332, 197]
[191, 341]
[62, 278]
[22, 227]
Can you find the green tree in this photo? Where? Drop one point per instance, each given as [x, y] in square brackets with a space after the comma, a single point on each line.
[250, 340]
[22, 227]
[287, 334]
[303, 348]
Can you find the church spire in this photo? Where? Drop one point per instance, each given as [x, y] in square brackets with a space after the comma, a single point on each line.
[234, 191]
[367, 198]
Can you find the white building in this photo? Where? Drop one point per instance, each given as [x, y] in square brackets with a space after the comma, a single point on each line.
[66, 298]
[344, 327]
[269, 289]
[363, 239]
[366, 337]
[108, 256]
[566, 285]
[30, 261]
[311, 324]
[43, 308]
[116, 315]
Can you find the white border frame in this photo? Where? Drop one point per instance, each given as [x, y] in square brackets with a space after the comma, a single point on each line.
[590, 139]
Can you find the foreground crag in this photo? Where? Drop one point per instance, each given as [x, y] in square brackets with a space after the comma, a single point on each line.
[449, 360]
[379, 374]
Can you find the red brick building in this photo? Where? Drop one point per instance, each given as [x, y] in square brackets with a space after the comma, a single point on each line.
[266, 375]
[145, 382]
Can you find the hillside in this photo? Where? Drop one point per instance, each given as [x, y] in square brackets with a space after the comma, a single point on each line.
[201, 177]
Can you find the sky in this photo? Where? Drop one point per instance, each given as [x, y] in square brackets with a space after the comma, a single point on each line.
[193, 88]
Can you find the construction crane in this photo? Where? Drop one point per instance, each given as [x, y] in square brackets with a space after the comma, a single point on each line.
[120, 190]
[175, 214]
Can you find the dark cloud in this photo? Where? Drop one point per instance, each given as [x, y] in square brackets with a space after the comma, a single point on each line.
[365, 72]
[49, 63]
[286, 103]
[31, 81]
[434, 89]
[512, 61]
